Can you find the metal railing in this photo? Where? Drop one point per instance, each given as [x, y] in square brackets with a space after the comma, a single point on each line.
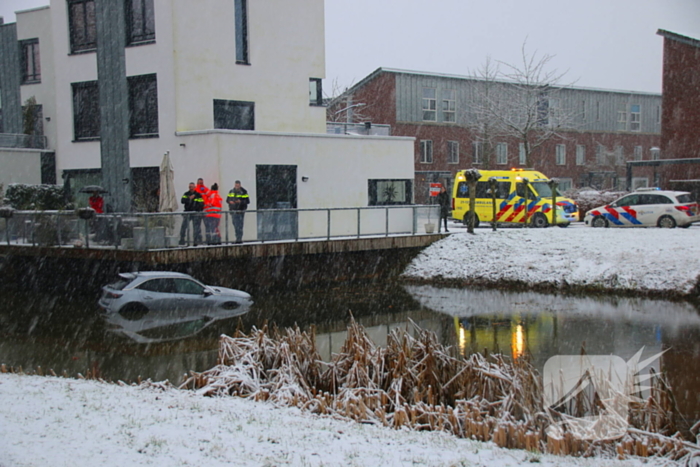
[12, 140]
[154, 231]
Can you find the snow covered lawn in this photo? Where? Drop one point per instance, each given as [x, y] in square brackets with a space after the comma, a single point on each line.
[649, 260]
[48, 421]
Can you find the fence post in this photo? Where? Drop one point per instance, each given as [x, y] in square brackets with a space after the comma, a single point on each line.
[358, 222]
[145, 218]
[328, 236]
[386, 221]
[226, 223]
[415, 221]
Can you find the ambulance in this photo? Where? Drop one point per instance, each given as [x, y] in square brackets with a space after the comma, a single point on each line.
[512, 197]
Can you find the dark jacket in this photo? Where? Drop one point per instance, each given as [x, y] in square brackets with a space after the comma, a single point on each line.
[238, 200]
[195, 204]
[445, 201]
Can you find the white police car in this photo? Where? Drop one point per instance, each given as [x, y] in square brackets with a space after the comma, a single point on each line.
[647, 207]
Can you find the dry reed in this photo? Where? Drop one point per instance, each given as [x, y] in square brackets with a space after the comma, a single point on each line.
[414, 382]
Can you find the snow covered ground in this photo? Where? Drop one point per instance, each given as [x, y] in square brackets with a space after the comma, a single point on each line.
[48, 421]
[648, 260]
[59, 422]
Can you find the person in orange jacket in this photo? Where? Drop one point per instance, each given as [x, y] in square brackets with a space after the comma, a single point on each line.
[212, 214]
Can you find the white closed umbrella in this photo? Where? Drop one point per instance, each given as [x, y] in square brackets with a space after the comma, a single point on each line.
[168, 198]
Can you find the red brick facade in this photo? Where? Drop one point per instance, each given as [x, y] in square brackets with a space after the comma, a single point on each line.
[379, 93]
[680, 121]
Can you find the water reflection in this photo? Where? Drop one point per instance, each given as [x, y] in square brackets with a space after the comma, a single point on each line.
[542, 325]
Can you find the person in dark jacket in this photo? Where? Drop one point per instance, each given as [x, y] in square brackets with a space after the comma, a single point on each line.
[194, 205]
[238, 201]
[444, 201]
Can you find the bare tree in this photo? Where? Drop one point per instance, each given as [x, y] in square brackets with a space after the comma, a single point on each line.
[523, 102]
[342, 107]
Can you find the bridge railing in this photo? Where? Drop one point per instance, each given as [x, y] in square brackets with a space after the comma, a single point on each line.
[151, 231]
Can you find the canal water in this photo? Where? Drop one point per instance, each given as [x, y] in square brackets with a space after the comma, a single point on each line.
[69, 335]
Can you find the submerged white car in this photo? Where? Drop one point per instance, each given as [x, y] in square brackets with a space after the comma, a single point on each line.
[136, 294]
[647, 207]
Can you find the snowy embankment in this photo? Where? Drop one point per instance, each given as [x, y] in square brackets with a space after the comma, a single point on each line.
[65, 422]
[653, 261]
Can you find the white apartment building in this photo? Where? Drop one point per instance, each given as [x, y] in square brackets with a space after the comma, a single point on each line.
[231, 89]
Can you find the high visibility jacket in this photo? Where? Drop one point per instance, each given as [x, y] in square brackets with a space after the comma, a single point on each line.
[212, 204]
[238, 200]
[195, 204]
[202, 190]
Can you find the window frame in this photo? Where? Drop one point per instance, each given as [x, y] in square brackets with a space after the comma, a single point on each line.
[635, 118]
[621, 120]
[81, 130]
[241, 39]
[147, 12]
[560, 154]
[35, 76]
[373, 191]
[449, 105]
[234, 103]
[89, 28]
[522, 155]
[317, 100]
[638, 153]
[426, 151]
[580, 154]
[501, 153]
[477, 152]
[619, 155]
[453, 152]
[150, 109]
[600, 153]
[429, 104]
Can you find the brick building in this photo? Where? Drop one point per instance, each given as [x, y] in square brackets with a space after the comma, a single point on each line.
[603, 129]
[680, 134]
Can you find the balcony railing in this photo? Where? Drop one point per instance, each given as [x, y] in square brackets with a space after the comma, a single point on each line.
[11, 140]
[154, 231]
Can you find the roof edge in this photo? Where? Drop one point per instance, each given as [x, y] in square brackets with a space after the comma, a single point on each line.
[678, 37]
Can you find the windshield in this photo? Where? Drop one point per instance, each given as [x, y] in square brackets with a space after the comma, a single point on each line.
[542, 189]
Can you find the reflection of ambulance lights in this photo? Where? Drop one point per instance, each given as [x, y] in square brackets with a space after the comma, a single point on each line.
[518, 178]
[518, 343]
[461, 177]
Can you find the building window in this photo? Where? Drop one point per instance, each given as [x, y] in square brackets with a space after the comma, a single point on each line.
[560, 154]
[543, 109]
[619, 155]
[597, 111]
[565, 184]
[478, 152]
[522, 156]
[140, 21]
[241, 17]
[637, 153]
[234, 115]
[621, 120]
[600, 154]
[658, 114]
[635, 117]
[655, 154]
[449, 105]
[429, 105]
[453, 152]
[81, 22]
[143, 106]
[583, 110]
[29, 55]
[390, 192]
[86, 111]
[426, 151]
[315, 91]
[580, 154]
[639, 182]
[501, 153]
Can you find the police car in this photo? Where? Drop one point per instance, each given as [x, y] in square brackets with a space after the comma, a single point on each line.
[647, 207]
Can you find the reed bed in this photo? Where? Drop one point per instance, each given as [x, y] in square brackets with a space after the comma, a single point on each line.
[416, 382]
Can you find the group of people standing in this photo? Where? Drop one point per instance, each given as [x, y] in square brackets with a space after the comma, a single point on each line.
[205, 204]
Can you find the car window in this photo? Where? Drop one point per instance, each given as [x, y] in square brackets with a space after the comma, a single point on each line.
[632, 200]
[520, 191]
[655, 199]
[685, 198]
[119, 284]
[158, 285]
[189, 287]
[483, 190]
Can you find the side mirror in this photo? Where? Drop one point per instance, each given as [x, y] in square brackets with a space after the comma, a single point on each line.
[207, 292]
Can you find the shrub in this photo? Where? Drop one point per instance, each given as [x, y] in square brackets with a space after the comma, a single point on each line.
[36, 197]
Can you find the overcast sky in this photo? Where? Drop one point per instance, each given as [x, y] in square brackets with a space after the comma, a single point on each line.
[608, 44]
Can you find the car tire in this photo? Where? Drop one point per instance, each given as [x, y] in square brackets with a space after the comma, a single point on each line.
[563, 226]
[539, 221]
[599, 221]
[666, 222]
[466, 219]
[133, 311]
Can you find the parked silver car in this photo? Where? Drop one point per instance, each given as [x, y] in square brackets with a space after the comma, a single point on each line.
[137, 294]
